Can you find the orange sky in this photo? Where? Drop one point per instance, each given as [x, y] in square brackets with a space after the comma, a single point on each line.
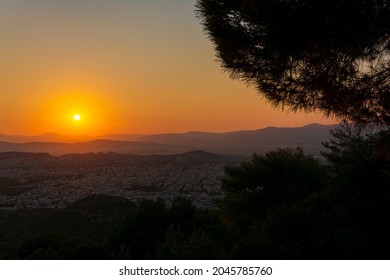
[124, 67]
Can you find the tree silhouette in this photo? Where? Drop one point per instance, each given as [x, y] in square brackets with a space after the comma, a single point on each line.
[280, 177]
[359, 187]
[331, 55]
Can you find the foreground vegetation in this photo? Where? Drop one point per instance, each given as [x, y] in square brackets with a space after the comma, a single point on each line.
[282, 205]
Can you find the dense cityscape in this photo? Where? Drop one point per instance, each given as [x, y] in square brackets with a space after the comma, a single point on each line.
[29, 180]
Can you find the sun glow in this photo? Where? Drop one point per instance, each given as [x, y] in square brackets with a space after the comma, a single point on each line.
[76, 112]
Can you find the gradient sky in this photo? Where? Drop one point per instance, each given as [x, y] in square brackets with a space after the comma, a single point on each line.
[126, 66]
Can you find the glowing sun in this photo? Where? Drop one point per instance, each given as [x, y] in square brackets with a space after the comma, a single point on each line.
[76, 117]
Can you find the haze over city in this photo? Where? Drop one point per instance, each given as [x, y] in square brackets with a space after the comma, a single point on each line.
[95, 67]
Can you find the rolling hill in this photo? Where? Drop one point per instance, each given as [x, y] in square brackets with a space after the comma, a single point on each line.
[238, 142]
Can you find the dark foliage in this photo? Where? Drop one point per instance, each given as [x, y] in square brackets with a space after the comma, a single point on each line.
[360, 172]
[307, 54]
[276, 205]
[280, 177]
[178, 232]
[337, 211]
[145, 229]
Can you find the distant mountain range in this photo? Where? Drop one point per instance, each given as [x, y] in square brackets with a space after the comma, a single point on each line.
[46, 137]
[238, 142]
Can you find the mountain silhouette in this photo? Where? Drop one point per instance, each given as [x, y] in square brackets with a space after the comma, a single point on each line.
[247, 142]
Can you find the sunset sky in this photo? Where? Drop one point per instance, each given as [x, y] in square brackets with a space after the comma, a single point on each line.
[123, 66]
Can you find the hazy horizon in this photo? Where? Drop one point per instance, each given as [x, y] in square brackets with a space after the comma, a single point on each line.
[131, 67]
[241, 142]
[161, 133]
